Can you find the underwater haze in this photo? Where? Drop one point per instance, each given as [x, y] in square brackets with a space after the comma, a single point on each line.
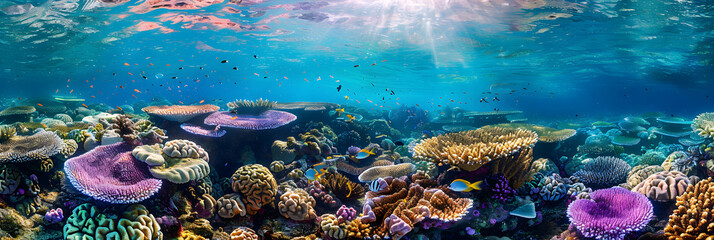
[356, 119]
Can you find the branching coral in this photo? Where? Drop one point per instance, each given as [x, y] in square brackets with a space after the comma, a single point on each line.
[704, 125]
[257, 185]
[693, 219]
[250, 107]
[472, 149]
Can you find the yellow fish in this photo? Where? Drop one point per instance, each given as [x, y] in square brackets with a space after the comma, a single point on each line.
[340, 110]
[381, 136]
[347, 98]
[461, 185]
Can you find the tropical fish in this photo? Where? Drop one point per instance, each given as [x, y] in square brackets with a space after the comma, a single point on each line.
[349, 186]
[374, 186]
[461, 185]
[316, 171]
[364, 153]
[381, 136]
[340, 110]
[339, 88]
[427, 134]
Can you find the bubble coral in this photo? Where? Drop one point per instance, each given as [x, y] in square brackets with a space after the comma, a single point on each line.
[297, 205]
[693, 219]
[244, 233]
[257, 185]
[230, 206]
[180, 113]
[603, 171]
[703, 125]
[663, 186]
[38, 146]
[110, 173]
[610, 213]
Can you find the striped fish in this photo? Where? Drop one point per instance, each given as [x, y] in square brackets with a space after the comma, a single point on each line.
[377, 185]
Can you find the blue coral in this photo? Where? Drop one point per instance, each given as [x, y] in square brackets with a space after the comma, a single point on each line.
[603, 171]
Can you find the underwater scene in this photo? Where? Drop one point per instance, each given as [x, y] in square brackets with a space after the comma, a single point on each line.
[356, 119]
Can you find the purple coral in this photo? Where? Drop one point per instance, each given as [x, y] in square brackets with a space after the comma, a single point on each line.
[610, 213]
[111, 174]
[198, 130]
[353, 151]
[397, 227]
[267, 120]
[345, 214]
[500, 188]
[54, 215]
[318, 192]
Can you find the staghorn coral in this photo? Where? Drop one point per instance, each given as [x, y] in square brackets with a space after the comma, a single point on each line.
[257, 185]
[250, 107]
[703, 125]
[179, 113]
[610, 213]
[244, 233]
[41, 145]
[230, 206]
[693, 219]
[604, 171]
[472, 149]
[134, 222]
[376, 172]
[663, 186]
[297, 205]
[111, 174]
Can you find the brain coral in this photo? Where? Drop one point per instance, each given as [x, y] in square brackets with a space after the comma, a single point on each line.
[297, 205]
[244, 233]
[472, 149]
[135, 222]
[663, 186]
[604, 171]
[230, 206]
[41, 145]
[185, 167]
[693, 219]
[641, 172]
[610, 213]
[704, 124]
[257, 185]
[184, 149]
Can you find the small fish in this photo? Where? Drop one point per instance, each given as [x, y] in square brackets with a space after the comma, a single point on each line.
[373, 64]
[84, 105]
[126, 64]
[39, 104]
[496, 99]
[255, 56]
[427, 134]
[461, 185]
[350, 118]
[137, 90]
[339, 88]
[483, 99]
[364, 153]
[347, 98]
[235, 68]
[224, 61]
[340, 110]
[374, 186]
[356, 66]
[234, 118]
[201, 101]
[381, 136]
[349, 186]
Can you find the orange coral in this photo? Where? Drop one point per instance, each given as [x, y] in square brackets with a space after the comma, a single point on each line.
[693, 219]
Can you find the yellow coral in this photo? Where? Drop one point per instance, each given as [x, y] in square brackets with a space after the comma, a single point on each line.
[257, 185]
[704, 124]
[472, 149]
[277, 166]
[693, 219]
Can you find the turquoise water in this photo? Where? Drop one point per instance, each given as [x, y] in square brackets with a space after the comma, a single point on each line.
[407, 71]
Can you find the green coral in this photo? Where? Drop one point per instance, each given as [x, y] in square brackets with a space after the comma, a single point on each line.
[135, 222]
[6, 132]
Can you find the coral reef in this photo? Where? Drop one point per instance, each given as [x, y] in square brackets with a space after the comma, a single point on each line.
[266, 120]
[180, 113]
[297, 205]
[703, 124]
[134, 222]
[692, 219]
[663, 186]
[604, 171]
